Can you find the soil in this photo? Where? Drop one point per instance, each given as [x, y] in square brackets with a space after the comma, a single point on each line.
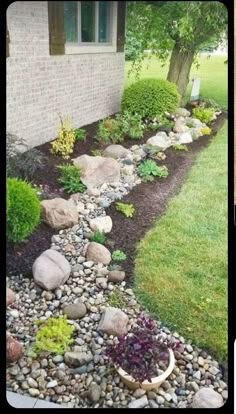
[149, 199]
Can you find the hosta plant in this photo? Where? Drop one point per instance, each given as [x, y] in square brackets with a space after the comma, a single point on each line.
[141, 351]
[118, 256]
[148, 170]
[126, 209]
[70, 179]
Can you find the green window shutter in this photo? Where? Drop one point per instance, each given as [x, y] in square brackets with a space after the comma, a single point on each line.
[7, 41]
[121, 26]
[56, 27]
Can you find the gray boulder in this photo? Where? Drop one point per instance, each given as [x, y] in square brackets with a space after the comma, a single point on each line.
[161, 141]
[102, 224]
[116, 151]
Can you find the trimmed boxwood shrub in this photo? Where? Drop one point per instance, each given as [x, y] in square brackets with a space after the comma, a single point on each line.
[150, 97]
[23, 210]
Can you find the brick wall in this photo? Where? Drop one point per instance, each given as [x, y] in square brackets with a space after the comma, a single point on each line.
[85, 86]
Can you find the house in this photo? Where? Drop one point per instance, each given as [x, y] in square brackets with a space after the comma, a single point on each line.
[62, 57]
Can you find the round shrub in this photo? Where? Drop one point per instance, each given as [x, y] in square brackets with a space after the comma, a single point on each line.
[150, 97]
[23, 210]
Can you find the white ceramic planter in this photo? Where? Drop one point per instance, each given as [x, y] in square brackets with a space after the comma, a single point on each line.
[146, 385]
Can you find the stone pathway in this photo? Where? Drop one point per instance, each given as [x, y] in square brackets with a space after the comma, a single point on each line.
[21, 401]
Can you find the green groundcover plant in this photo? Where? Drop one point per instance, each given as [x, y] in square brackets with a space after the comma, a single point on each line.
[70, 179]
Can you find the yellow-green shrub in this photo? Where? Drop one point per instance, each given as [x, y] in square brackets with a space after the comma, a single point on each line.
[64, 144]
[205, 131]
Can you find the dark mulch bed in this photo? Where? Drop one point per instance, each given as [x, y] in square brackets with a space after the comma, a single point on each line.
[149, 199]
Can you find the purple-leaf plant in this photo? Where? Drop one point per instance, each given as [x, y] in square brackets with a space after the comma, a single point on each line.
[139, 352]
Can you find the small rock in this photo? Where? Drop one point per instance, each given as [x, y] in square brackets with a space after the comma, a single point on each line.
[76, 359]
[58, 358]
[225, 394]
[207, 398]
[139, 393]
[151, 395]
[75, 311]
[160, 400]
[189, 348]
[33, 392]
[52, 384]
[140, 403]
[94, 392]
[11, 297]
[32, 383]
[201, 361]
[13, 349]
[113, 322]
[197, 375]
[213, 370]
[98, 253]
[153, 404]
[101, 224]
[116, 276]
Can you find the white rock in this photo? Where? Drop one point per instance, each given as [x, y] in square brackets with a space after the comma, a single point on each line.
[102, 224]
[51, 270]
[185, 138]
[182, 112]
[207, 398]
[160, 141]
[140, 403]
[52, 384]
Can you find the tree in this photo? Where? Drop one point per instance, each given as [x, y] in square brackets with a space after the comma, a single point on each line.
[179, 29]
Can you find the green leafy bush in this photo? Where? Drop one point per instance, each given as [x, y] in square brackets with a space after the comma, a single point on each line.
[118, 256]
[149, 169]
[97, 152]
[131, 124]
[80, 134]
[150, 97]
[180, 147]
[54, 336]
[203, 114]
[205, 131]
[23, 213]
[97, 237]
[126, 209]
[70, 179]
[109, 130]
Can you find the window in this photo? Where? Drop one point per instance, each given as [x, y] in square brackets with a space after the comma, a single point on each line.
[88, 22]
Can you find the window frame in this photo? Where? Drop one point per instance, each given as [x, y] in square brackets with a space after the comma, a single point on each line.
[95, 47]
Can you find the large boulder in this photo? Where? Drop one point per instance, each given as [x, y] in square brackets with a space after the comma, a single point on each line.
[96, 171]
[207, 398]
[102, 224]
[51, 270]
[180, 125]
[161, 141]
[98, 253]
[113, 322]
[182, 112]
[11, 297]
[195, 132]
[59, 213]
[116, 151]
[13, 349]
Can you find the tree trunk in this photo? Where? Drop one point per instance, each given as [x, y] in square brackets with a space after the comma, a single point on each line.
[179, 69]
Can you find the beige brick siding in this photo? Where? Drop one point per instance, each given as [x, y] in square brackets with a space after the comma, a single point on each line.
[87, 87]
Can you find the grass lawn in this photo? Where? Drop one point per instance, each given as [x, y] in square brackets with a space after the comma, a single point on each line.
[212, 73]
[181, 264]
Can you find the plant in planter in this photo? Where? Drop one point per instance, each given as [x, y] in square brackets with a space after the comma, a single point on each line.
[141, 357]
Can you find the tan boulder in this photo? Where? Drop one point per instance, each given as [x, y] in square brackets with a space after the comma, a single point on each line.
[96, 171]
[113, 322]
[59, 213]
[98, 253]
[13, 349]
[11, 297]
